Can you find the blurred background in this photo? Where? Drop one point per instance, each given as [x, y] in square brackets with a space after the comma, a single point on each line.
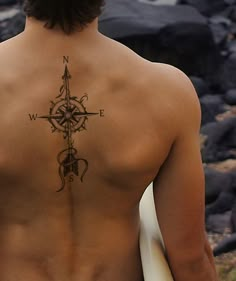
[199, 37]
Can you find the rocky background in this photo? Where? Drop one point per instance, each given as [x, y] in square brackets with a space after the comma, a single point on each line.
[199, 37]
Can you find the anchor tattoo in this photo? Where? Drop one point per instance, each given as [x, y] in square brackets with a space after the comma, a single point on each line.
[68, 115]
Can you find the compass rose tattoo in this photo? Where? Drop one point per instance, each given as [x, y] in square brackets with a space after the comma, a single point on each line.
[68, 115]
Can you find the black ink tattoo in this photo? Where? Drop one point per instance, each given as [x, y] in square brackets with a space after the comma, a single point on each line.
[102, 113]
[33, 116]
[68, 115]
[65, 59]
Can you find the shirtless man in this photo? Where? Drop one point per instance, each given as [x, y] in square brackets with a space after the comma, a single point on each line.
[86, 125]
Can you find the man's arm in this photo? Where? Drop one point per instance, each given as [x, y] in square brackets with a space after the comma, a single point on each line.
[179, 193]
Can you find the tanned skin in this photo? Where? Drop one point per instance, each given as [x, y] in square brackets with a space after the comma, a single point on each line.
[145, 127]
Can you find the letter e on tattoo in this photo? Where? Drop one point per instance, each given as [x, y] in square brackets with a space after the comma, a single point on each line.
[102, 113]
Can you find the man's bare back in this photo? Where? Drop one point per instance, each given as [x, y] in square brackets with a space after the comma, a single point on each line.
[100, 163]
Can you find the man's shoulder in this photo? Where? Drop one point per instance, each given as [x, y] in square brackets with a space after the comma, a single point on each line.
[158, 83]
[170, 89]
[8, 52]
[166, 76]
[166, 80]
[183, 98]
[6, 55]
[154, 75]
[7, 45]
[173, 81]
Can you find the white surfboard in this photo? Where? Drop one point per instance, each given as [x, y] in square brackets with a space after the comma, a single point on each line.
[152, 247]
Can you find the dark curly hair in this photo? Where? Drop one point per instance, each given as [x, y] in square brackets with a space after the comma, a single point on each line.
[67, 14]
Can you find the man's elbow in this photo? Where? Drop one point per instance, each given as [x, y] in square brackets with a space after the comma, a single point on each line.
[195, 267]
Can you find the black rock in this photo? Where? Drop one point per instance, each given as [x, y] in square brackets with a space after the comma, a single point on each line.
[124, 18]
[220, 27]
[224, 203]
[221, 139]
[225, 246]
[207, 116]
[8, 2]
[230, 2]
[178, 35]
[206, 7]
[231, 13]
[221, 213]
[229, 73]
[215, 182]
[217, 19]
[211, 106]
[200, 86]
[218, 223]
[232, 47]
[230, 97]
[232, 30]
[13, 26]
[233, 218]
